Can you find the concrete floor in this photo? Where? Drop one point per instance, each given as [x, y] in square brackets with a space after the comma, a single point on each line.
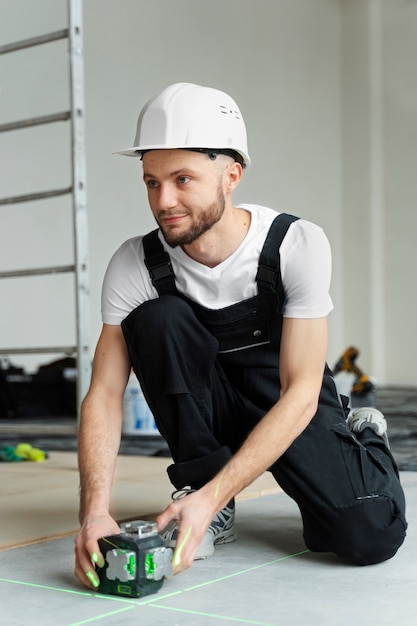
[265, 578]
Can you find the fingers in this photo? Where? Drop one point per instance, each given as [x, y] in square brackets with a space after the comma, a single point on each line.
[89, 579]
[98, 559]
[184, 552]
[165, 517]
[85, 570]
[193, 519]
[88, 556]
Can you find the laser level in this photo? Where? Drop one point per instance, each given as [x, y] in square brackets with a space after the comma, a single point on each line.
[136, 561]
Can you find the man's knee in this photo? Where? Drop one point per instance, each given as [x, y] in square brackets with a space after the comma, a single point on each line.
[167, 322]
[166, 341]
[367, 533]
[161, 312]
[368, 546]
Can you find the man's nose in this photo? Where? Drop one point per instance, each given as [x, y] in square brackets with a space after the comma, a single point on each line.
[167, 196]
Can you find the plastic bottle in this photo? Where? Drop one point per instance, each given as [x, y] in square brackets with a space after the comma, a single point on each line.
[137, 416]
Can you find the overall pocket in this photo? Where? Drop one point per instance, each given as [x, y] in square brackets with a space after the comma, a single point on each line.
[366, 472]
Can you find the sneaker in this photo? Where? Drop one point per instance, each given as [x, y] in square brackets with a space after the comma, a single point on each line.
[368, 417]
[220, 530]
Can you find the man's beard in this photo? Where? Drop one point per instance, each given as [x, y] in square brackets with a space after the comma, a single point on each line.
[211, 215]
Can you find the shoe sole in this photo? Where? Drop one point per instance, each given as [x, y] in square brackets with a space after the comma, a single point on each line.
[199, 556]
[219, 540]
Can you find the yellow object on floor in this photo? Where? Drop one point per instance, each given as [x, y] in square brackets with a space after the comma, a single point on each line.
[27, 452]
[22, 452]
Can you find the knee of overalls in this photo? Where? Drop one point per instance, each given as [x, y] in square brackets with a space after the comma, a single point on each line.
[164, 317]
[167, 329]
[369, 532]
[162, 312]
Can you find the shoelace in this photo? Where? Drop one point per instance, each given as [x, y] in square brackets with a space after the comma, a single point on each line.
[181, 493]
[185, 491]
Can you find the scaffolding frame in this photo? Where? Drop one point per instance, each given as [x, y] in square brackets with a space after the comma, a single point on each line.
[76, 116]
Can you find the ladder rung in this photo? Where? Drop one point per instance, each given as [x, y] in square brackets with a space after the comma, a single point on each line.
[59, 269]
[51, 350]
[36, 196]
[34, 41]
[36, 121]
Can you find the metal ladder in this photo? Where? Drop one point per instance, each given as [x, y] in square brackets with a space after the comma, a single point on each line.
[76, 116]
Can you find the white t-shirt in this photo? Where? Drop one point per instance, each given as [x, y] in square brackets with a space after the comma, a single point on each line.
[305, 269]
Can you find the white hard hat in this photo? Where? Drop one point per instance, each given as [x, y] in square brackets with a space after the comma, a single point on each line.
[190, 117]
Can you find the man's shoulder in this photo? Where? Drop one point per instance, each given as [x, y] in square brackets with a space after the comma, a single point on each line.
[127, 257]
[259, 210]
[130, 247]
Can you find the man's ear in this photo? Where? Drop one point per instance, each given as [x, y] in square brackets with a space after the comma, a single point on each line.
[233, 174]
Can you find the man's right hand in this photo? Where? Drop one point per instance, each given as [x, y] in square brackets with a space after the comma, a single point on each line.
[87, 551]
[99, 436]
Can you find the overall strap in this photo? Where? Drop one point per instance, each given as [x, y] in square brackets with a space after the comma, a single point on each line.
[268, 277]
[159, 265]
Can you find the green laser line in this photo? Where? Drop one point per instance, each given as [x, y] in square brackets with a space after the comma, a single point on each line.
[151, 601]
[162, 597]
[93, 580]
[178, 551]
[245, 571]
[100, 596]
[109, 542]
[143, 601]
[214, 615]
[232, 619]
[216, 580]
[109, 614]
[21, 582]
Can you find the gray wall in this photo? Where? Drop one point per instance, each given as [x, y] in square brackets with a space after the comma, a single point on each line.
[329, 98]
[379, 162]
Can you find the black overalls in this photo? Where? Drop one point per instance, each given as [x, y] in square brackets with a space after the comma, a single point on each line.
[209, 376]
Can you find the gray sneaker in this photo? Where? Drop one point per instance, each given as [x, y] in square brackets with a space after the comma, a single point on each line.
[220, 530]
[368, 417]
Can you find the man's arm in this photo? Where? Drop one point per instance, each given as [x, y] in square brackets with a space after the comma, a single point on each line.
[98, 446]
[302, 361]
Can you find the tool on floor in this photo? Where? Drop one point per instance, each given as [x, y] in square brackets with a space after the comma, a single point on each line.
[137, 561]
[22, 452]
[351, 381]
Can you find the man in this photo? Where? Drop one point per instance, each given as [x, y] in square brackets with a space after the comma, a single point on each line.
[222, 314]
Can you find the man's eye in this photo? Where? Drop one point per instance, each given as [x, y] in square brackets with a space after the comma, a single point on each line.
[152, 184]
[183, 180]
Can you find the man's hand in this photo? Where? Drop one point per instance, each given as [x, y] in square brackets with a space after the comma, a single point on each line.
[87, 552]
[194, 514]
[98, 444]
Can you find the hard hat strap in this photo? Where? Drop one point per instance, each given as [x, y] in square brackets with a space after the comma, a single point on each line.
[213, 152]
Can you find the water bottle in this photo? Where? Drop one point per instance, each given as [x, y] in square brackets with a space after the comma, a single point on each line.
[137, 416]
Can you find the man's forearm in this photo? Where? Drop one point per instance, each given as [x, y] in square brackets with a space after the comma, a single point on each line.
[270, 438]
[265, 444]
[99, 441]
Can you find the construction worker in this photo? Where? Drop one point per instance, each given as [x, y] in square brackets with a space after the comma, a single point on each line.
[222, 313]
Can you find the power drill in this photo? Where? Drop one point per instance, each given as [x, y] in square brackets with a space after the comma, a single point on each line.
[137, 561]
